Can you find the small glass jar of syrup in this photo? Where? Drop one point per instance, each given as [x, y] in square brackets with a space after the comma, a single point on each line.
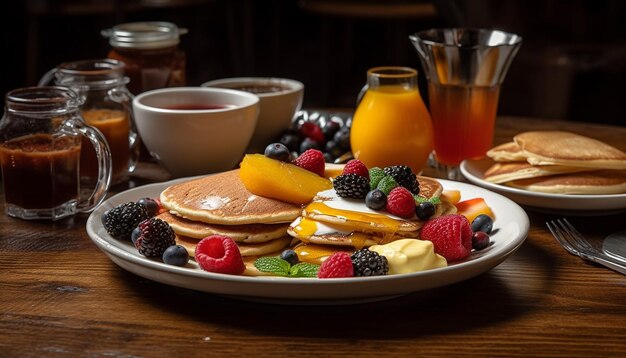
[151, 53]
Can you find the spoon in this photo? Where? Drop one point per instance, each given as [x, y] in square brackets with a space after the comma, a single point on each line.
[614, 245]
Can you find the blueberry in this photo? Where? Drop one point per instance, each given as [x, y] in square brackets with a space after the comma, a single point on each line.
[330, 128]
[328, 158]
[425, 210]
[152, 207]
[333, 149]
[291, 141]
[376, 200]
[482, 223]
[342, 138]
[480, 240]
[135, 234]
[176, 255]
[104, 216]
[278, 151]
[307, 144]
[290, 256]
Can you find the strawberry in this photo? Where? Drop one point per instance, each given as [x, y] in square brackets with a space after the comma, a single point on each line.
[450, 234]
[336, 265]
[217, 253]
[312, 160]
[312, 131]
[400, 202]
[357, 167]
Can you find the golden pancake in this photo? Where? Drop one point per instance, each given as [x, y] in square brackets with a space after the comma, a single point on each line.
[246, 233]
[569, 149]
[504, 172]
[507, 152]
[259, 249]
[596, 182]
[429, 187]
[223, 199]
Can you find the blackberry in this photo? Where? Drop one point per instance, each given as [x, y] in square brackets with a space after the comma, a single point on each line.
[156, 236]
[120, 221]
[404, 176]
[369, 263]
[351, 186]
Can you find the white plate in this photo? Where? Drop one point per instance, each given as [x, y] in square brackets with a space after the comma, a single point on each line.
[511, 224]
[473, 171]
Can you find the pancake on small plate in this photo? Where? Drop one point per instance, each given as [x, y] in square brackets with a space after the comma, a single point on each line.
[504, 172]
[594, 182]
[223, 199]
[507, 152]
[569, 149]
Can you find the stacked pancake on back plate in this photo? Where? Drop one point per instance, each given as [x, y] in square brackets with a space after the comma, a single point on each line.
[558, 162]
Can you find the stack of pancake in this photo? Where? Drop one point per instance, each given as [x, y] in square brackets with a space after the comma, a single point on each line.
[331, 223]
[220, 204]
[558, 162]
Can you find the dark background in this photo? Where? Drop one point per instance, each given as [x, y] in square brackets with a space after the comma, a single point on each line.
[572, 64]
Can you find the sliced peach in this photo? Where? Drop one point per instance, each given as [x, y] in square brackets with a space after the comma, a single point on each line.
[332, 170]
[271, 178]
[451, 196]
[473, 207]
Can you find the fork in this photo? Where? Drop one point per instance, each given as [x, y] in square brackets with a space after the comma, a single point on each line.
[574, 242]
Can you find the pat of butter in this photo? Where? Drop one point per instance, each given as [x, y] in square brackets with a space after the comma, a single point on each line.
[410, 255]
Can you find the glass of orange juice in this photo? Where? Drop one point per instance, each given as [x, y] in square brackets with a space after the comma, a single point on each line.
[391, 125]
[464, 68]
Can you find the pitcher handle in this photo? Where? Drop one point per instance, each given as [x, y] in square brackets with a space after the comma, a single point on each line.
[103, 154]
[359, 97]
[47, 78]
[123, 96]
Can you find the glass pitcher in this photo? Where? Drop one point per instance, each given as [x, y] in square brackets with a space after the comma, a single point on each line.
[107, 106]
[391, 125]
[40, 144]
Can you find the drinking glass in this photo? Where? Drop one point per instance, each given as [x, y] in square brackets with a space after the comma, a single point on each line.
[464, 69]
[40, 144]
[391, 125]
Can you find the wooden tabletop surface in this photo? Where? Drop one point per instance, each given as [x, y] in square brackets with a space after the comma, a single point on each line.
[61, 296]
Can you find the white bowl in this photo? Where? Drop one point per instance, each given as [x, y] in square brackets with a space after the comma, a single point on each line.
[196, 141]
[277, 108]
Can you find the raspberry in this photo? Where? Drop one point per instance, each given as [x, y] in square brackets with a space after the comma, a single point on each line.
[450, 234]
[387, 184]
[120, 221]
[155, 237]
[312, 160]
[336, 265]
[404, 176]
[312, 131]
[351, 186]
[357, 167]
[400, 202]
[376, 174]
[217, 253]
[369, 263]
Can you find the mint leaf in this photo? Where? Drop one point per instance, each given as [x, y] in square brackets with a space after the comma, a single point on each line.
[419, 199]
[386, 184]
[274, 265]
[304, 269]
[376, 174]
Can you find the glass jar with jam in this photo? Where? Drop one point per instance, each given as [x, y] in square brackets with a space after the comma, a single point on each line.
[151, 53]
[107, 106]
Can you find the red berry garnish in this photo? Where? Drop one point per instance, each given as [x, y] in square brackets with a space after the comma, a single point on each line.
[312, 131]
[312, 160]
[450, 234]
[357, 167]
[400, 202]
[480, 240]
[336, 265]
[217, 253]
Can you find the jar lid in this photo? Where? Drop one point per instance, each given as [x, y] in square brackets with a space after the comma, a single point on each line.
[144, 35]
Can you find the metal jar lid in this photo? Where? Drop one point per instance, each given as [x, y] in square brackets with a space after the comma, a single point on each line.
[144, 35]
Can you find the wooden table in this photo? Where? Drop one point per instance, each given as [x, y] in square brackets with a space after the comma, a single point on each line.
[61, 296]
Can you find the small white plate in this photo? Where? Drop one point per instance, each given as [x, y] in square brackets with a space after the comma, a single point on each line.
[511, 224]
[473, 171]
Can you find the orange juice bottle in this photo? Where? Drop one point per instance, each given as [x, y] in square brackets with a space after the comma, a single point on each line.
[391, 125]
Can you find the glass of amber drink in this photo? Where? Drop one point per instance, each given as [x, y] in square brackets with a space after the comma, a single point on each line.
[465, 69]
